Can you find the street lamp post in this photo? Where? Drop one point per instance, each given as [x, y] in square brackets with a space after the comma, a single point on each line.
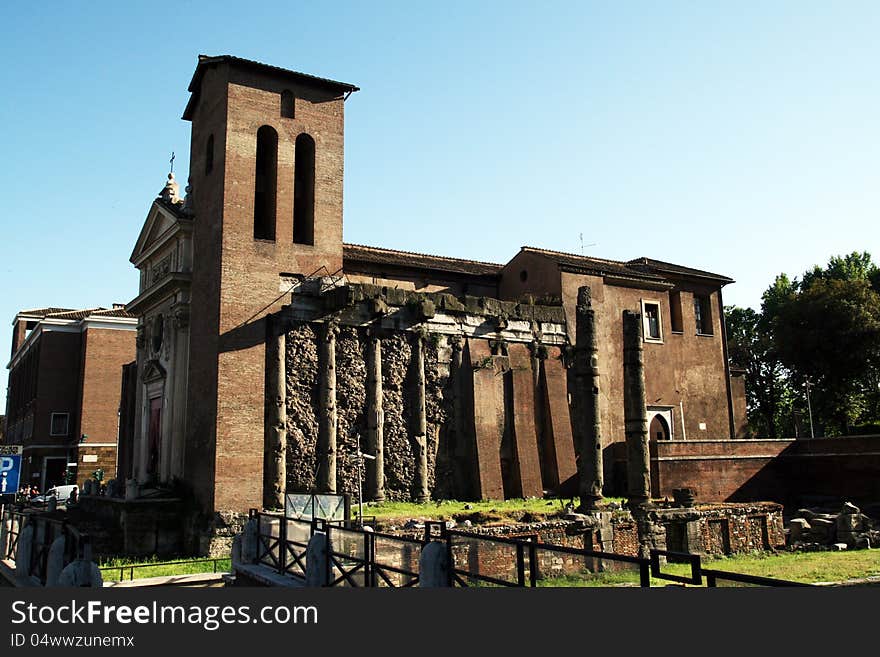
[360, 463]
[809, 408]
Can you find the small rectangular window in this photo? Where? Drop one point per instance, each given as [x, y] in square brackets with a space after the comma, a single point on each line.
[703, 314]
[59, 424]
[651, 321]
[288, 105]
[675, 312]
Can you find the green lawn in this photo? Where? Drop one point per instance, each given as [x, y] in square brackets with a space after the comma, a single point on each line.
[809, 567]
[485, 512]
[142, 568]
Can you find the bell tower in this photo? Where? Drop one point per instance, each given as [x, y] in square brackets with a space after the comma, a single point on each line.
[266, 169]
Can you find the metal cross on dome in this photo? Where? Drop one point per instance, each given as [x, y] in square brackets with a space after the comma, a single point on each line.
[172, 161]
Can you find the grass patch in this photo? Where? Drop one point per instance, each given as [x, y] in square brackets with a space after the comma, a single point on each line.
[807, 567]
[123, 569]
[484, 512]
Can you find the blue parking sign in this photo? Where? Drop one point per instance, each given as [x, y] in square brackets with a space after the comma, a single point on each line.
[10, 468]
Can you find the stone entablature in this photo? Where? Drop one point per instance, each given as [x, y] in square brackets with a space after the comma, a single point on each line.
[362, 304]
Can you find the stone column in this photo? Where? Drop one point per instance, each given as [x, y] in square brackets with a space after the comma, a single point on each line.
[375, 420]
[455, 372]
[326, 478]
[420, 421]
[588, 430]
[275, 451]
[638, 463]
[546, 457]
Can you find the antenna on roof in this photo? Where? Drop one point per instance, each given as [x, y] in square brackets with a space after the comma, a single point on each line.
[585, 245]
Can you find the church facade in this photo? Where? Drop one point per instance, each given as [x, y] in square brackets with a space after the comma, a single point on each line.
[269, 350]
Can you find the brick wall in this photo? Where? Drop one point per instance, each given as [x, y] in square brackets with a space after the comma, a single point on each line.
[105, 351]
[90, 459]
[236, 278]
[778, 470]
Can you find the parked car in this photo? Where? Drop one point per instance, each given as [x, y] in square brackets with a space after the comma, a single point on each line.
[60, 493]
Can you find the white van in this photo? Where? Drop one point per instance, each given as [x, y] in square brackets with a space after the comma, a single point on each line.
[60, 493]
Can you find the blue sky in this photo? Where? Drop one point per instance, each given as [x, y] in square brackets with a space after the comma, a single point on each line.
[736, 137]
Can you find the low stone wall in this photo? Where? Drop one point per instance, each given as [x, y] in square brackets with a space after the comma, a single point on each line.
[736, 528]
[716, 529]
[141, 527]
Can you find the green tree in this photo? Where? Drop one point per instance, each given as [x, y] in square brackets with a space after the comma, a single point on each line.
[768, 392]
[853, 267]
[824, 329]
[830, 333]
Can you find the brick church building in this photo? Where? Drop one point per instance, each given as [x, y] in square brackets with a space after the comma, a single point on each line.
[267, 346]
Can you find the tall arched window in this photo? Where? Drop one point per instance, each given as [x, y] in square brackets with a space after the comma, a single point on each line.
[304, 191]
[265, 183]
[288, 107]
[209, 155]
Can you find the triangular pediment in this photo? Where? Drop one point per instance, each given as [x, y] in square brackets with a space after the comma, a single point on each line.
[161, 222]
[153, 371]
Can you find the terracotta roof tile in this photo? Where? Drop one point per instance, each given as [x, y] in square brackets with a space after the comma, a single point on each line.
[42, 312]
[74, 314]
[589, 264]
[651, 265]
[360, 253]
[113, 312]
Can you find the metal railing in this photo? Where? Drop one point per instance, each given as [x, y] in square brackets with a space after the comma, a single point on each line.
[131, 568]
[355, 557]
[718, 578]
[523, 561]
[282, 542]
[363, 558]
[695, 578]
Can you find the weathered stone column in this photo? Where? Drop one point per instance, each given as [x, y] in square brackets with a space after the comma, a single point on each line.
[420, 421]
[326, 478]
[455, 372]
[375, 420]
[638, 463]
[275, 450]
[587, 426]
[538, 353]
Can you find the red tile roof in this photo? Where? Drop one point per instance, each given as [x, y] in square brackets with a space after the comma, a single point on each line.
[352, 253]
[591, 265]
[64, 313]
[649, 264]
[42, 312]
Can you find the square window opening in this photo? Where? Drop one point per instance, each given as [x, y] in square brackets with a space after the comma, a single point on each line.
[59, 424]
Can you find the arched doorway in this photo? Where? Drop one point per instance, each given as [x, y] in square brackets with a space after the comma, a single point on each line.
[659, 429]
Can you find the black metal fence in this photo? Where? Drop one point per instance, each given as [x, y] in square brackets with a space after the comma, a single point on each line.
[164, 565]
[358, 557]
[719, 578]
[355, 557]
[478, 560]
